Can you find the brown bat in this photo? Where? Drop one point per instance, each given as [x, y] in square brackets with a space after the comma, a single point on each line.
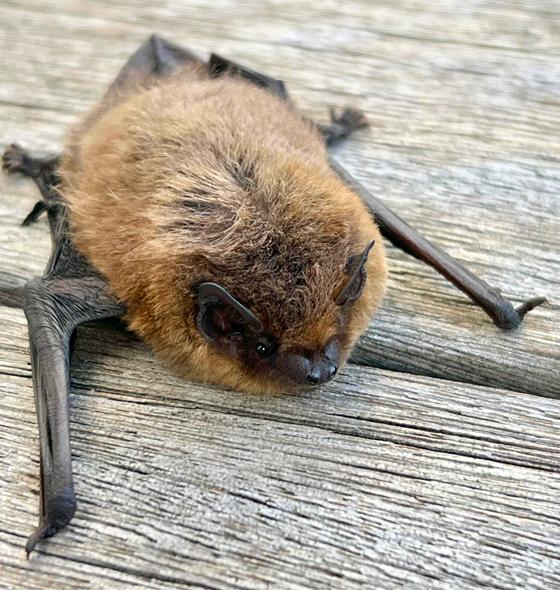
[196, 202]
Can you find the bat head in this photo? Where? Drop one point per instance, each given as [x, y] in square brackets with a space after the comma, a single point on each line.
[287, 356]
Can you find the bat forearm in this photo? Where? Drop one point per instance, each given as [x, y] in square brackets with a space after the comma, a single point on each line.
[402, 235]
[54, 307]
[49, 343]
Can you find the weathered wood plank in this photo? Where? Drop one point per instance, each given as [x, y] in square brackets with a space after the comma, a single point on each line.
[377, 480]
[465, 120]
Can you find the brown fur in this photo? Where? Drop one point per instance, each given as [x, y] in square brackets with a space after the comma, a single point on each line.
[192, 179]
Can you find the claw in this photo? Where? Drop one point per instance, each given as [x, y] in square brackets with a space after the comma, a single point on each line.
[15, 159]
[39, 208]
[349, 119]
[41, 532]
[529, 305]
[60, 511]
[342, 124]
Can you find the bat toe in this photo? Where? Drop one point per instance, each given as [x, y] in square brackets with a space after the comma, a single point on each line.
[343, 123]
[14, 159]
[350, 119]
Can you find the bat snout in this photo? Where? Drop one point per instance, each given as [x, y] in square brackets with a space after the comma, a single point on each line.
[321, 372]
[313, 367]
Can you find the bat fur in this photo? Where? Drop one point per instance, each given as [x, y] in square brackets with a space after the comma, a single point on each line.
[186, 179]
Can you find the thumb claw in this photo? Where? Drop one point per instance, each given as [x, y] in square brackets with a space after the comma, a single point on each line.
[529, 305]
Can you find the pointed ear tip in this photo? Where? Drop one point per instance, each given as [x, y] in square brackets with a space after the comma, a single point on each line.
[367, 250]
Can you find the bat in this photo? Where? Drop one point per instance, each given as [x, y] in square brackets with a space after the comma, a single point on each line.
[197, 203]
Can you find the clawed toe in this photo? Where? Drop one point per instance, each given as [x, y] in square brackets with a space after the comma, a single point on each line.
[14, 159]
[350, 118]
[33, 216]
[526, 307]
[343, 123]
[59, 512]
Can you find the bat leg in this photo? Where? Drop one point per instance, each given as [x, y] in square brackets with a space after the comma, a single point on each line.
[343, 123]
[405, 237]
[41, 170]
[54, 307]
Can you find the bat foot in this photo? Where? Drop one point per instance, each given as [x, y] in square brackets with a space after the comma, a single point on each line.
[349, 119]
[16, 159]
[41, 170]
[343, 123]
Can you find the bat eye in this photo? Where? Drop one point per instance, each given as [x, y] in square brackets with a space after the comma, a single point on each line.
[264, 347]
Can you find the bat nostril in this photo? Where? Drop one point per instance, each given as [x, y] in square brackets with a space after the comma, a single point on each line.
[322, 373]
[314, 377]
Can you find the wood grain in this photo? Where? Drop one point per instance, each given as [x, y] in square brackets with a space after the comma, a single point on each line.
[384, 478]
[378, 480]
[463, 103]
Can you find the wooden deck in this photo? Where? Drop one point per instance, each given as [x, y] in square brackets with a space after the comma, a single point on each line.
[432, 461]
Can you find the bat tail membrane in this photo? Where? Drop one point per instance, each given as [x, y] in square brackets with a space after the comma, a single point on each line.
[405, 237]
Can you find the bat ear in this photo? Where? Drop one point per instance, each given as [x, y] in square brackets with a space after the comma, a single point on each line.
[356, 267]
[220, 315]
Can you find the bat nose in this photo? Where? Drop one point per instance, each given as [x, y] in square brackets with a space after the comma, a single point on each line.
[322, 371]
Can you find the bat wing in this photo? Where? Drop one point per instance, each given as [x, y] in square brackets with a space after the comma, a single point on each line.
[219, 66]
[69, 293]
[405, 237]
[156, 57]
[54, 306]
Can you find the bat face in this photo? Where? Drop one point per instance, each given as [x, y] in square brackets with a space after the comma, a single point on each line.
[233, 330]
[299, 331]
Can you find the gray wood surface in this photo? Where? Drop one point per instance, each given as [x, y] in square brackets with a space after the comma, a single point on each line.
[380, 480]
[409, 475]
